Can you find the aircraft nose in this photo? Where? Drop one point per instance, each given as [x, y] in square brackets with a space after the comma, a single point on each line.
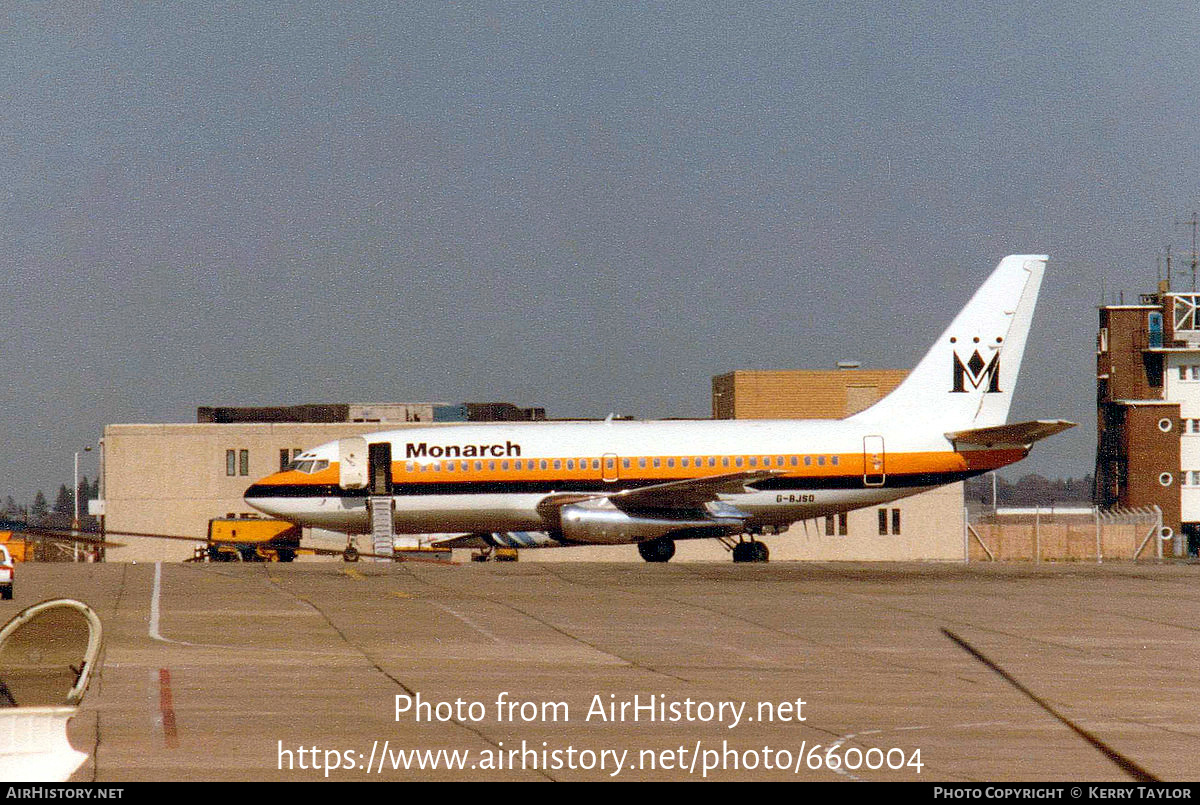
[261, 495]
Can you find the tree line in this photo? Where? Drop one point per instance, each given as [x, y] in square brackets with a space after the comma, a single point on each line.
[1030, 490]
[40, 513]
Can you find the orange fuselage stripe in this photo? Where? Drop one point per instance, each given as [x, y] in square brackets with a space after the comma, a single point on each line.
[591, 468]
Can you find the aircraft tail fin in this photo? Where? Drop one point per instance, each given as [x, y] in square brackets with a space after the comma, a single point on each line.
[968, 377]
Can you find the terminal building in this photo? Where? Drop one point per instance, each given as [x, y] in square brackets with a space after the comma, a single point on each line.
[174, 478]
[1148, 408]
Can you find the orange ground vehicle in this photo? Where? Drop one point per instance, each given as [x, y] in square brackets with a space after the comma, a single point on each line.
[252, 539]
[18, 548]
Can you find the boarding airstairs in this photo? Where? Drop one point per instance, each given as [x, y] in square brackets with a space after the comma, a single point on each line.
[382, 529]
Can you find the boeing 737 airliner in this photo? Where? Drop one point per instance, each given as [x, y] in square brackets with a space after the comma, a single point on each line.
[544, 484]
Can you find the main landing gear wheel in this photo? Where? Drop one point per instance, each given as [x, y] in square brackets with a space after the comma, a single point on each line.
[750, 552]
[657, 550]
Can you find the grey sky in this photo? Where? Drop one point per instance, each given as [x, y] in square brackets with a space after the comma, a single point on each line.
[590, 207]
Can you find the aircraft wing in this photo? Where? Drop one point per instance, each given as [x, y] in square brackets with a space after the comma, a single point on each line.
[689, 493]
[1017, 433]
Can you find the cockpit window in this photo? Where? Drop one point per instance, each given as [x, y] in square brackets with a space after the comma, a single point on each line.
[308, 465]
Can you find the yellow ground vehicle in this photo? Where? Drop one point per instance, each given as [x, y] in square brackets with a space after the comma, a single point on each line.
[17, 547]
[252, 539]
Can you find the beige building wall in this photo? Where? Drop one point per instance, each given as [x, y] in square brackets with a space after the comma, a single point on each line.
[172, 479]
[931, 529]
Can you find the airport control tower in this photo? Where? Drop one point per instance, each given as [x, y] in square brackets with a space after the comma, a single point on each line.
[1148, 408]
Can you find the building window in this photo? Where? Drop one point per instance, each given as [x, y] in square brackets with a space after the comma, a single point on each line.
[243, 462]
[1164, 425]
[231, 462]
[285, 458]
[1166, 478]
[837, 522]
[883, 522]
[896, 522]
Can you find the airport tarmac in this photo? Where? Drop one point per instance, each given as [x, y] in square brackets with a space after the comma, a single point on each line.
[279, 672]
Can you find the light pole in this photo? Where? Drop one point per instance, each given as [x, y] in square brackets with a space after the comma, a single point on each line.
[75, 495]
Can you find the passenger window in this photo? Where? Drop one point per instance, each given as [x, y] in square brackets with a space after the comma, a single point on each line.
[670, 462]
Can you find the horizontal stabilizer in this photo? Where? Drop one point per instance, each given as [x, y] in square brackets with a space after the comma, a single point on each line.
[1017, 433]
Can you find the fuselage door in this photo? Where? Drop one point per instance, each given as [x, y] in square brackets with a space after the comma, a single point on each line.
[352, 463]
[610, 467]
[380, 459]
[874, 472]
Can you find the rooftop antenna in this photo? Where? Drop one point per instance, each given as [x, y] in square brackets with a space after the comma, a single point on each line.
[1193, 223]
[1168, 266]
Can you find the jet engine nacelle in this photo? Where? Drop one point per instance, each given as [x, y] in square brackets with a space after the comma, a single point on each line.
[600, 522]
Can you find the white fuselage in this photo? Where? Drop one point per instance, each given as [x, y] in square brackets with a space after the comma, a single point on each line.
[490, 478]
